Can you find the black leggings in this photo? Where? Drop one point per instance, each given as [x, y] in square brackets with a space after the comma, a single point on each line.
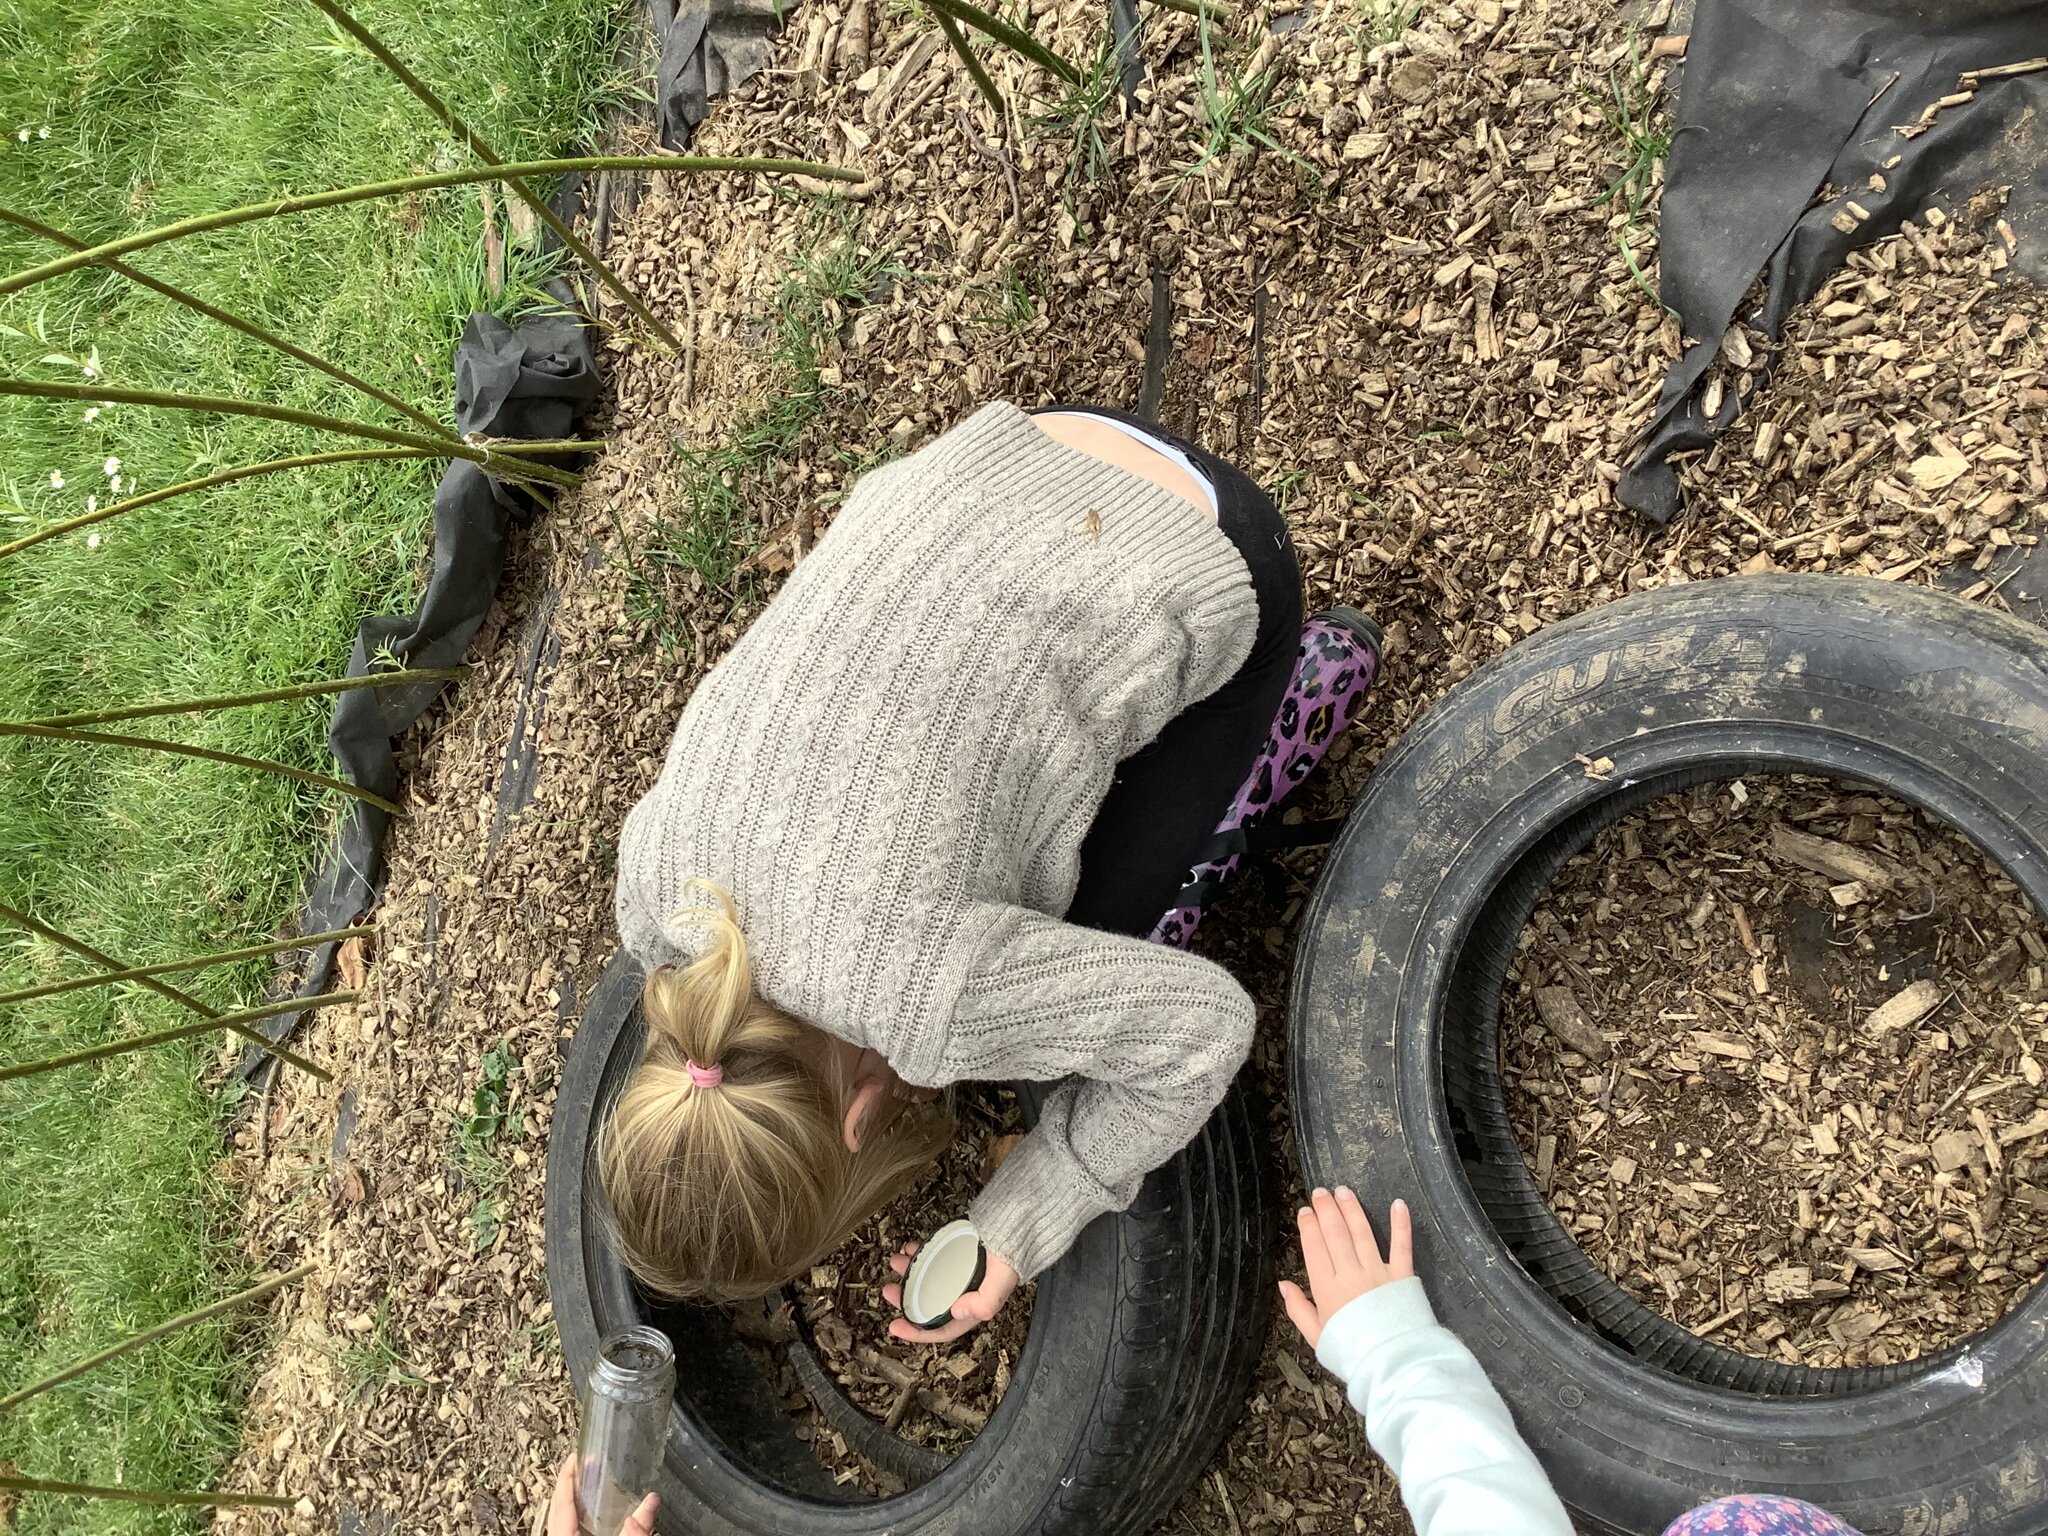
[1168, 797]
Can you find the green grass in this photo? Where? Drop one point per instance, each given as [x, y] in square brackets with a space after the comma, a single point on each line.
[1375, 22]
[710, 531]
[113, 1213]
[1237, 106]
[1629, 106]
[370, 1363]
[1080, 115]
[476, 1160]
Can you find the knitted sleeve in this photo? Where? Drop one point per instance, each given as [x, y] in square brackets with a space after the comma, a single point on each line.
[1146, 1040]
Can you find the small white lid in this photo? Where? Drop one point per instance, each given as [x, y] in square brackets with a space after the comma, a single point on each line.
[947, 1267]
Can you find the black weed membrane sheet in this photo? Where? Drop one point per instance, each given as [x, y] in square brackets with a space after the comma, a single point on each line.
[1807, 128]
[529, 380]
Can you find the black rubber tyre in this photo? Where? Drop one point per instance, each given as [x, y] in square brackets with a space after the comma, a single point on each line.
[1395, 1017]
[1140, 1353]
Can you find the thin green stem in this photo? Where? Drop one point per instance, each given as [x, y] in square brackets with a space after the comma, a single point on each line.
[1199, 7]
[975, 70]
[224, 477]
[489, 156]
[172, 967]
[519, 445]
[237, 1021]
[989, 26]
[228, 405]
[78, 1368]
[248, 328]
[266, 696]
[228, 217]
[162, 989]
[19, 1484]
[183, 749]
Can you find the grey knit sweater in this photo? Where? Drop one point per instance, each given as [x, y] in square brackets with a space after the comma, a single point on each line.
[892, 773]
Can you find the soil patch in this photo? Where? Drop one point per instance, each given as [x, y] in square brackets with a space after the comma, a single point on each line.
[935, 1396]
[1802, 1110]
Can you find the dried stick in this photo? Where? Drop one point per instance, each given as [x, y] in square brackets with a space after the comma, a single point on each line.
[1010, 37]
[224, 477]
[265, 696]
[951, 28]
[19, 1484]
[227, 218]
[183, 749]
[492, 460]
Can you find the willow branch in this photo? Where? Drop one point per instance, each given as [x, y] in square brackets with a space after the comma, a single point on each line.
[234, 322]
[980, 75]
[493, 460]
[226, 218]
[19, 1484]
[185, 749]
[237, 1021]
[489, 156]
[162, 989]
[991, 26]
[149, 1336]
[196, 963]
[224, 477]
[266, 696]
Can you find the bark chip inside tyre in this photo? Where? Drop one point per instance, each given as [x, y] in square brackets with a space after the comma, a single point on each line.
[1395, 1013]
[1141, 1349]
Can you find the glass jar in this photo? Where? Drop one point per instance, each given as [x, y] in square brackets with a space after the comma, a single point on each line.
[625, 1422]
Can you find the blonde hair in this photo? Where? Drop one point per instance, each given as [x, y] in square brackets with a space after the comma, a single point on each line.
[724, 1192]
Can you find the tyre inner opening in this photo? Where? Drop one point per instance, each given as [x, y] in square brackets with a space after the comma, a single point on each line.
[807, 1388]
[1749, 1074]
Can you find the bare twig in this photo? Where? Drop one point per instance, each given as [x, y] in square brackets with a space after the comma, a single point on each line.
[173, 967]
[493, 460]
[265, 696]
[1016, 40]
[224, 477]
[979, 75]
[1003, 161]
[227, 218]
[184, 749]
[216, 1500]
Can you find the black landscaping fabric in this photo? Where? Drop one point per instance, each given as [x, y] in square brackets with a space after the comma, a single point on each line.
[529, 380]
[708, 47]
[1783, 98]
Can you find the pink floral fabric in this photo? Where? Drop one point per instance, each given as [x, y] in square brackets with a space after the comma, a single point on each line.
[1757, 1514]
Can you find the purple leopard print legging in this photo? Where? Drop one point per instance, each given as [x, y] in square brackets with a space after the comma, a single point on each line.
[1333, 672]
[1757, 1514]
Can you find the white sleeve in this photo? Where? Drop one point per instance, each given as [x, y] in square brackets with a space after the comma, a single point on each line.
[1435, 1418]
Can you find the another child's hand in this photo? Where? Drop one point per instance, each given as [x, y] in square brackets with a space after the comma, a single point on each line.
[970, 1311]
[1343, 1258]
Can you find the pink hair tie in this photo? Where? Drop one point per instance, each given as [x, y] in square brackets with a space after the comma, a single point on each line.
[704, 1077]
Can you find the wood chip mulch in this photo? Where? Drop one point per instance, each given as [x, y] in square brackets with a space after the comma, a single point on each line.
[1776, 1053]
[1412, 318]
